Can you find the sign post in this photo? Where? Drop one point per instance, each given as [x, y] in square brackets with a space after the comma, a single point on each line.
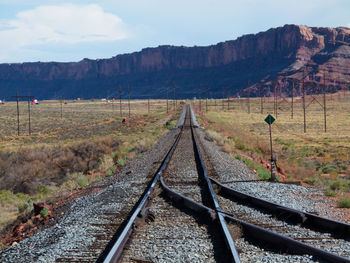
[269, 120]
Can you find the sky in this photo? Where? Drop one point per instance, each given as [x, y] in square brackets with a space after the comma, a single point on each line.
[67, 31]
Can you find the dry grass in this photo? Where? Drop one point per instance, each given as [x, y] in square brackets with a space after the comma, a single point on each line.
[89, 143]
[325, 155]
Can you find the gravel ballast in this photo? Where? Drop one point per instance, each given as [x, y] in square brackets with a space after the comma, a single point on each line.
[83, 231]
[298, 197]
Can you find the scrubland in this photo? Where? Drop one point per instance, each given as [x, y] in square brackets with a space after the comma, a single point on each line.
[315, 157]
[90, 141]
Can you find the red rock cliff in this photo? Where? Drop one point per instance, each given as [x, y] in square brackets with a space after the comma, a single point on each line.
[290, 47]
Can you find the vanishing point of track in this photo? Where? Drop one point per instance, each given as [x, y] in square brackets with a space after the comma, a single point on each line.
[185, 206]
[187, 191]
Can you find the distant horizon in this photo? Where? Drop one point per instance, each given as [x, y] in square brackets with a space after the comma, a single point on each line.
[69, 31]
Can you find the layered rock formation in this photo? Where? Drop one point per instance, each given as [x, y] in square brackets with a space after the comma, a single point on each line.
[283, 52]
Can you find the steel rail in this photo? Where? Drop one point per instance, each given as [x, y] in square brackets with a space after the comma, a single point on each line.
[117, 249]
[265, 236]
[282, 242]
[228, 238]
[305, 218]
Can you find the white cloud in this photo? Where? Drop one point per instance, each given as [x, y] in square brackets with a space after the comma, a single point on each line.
[61, 24]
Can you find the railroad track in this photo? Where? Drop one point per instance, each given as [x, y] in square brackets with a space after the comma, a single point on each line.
[182, 217]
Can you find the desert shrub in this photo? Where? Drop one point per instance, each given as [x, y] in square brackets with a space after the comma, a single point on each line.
[339, 184]
[260, 170]
[121, 162]
[44, 212]
[238, 157]
[29, 168]
[239, 144]
[328, 168]
[313, 180]
[227, 147]
[211, 135]
[111, 170]
[344, 203]
[82, 181]
[330, 192]
[41, 189]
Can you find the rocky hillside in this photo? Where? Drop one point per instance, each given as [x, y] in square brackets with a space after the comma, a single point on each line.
[282, 52]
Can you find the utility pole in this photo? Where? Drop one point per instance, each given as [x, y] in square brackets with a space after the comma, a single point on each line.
[148, 96]
[200, 101]
[228, 102]
[167, 100]
[215, 100]
[129, 100]
[324, 102]
[61, 102]
[223, 98]
[17, 100]
[275, 98]
[304, 105]
[206, 101]
[261, 99]
[174, 97]
[113, 106]
[17, 114]
[292, 108]
[248, 97]
[29, 128]
[120, 101]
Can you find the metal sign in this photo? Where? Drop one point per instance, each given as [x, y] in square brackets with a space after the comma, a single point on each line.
[269, 119]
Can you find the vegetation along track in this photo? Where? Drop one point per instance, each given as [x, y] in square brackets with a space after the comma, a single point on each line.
[179, 217]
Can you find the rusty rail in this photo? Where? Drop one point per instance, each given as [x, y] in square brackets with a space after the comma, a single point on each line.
[300, 217]
[267, 237]
[225, 231]
[115, 252]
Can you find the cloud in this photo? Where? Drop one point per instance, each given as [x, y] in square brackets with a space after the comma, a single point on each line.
[61, 24]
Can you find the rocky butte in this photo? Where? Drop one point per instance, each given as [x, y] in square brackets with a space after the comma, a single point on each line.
[282, 53]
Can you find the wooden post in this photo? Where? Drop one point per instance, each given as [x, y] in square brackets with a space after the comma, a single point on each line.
[29, 128]
[61, 102]
[228, 102]
[206, 102]
[148, 96]
[324, 102]
[167, 100]
[303, 97]
[17, 114]
[248, 97]
[261, 99]
[292, 108]
[120, 102]
[129, 101]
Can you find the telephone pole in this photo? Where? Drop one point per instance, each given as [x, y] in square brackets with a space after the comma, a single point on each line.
[303, 97]
[61, 102]
[223, 98]
[167, 100]
[129, 100]
[17, 100]
[120, 101]
[324, 102]
[261, 99]
[248, 96]
[206, 101]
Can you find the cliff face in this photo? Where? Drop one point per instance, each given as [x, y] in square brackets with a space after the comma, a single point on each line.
[227, 65]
